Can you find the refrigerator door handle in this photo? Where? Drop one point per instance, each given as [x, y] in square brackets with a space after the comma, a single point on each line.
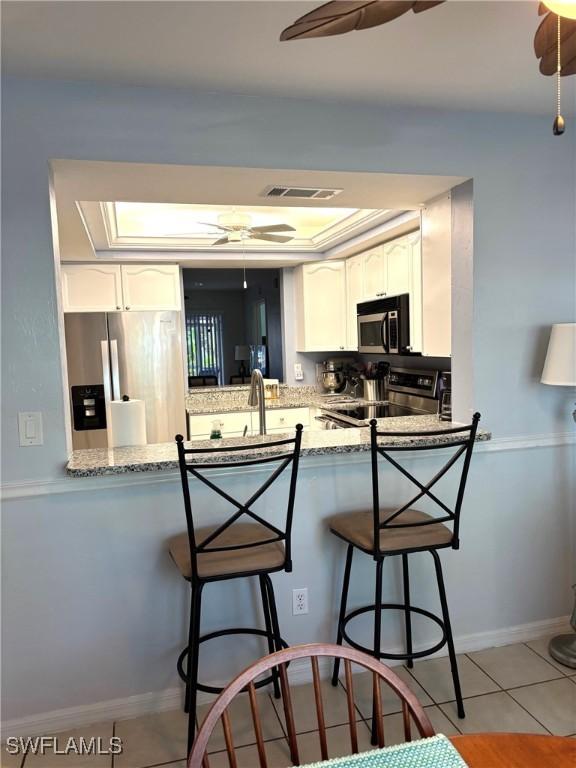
[115, 370]
[106, 371]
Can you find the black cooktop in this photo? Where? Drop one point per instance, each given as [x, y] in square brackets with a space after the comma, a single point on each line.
[363, 413]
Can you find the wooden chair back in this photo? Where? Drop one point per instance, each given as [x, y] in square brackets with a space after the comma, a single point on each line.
[412, 711]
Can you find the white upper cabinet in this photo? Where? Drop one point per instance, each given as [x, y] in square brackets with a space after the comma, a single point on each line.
[374, 277]
[115, 287]
[321, 317]
[404, 275]
[91, 287]
[437, 277]
[354, 295]
[398, 266]
[151, 286]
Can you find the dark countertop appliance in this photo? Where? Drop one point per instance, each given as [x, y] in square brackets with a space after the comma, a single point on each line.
[384, 326]
[410, 393]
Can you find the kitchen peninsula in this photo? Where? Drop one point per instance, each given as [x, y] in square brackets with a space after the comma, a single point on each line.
[162, 456]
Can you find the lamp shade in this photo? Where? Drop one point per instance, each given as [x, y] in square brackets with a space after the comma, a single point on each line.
[241, 352]
[560, 365]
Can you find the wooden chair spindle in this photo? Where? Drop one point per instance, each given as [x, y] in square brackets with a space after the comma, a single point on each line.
[351, 709]
[406, 718]
[257, 725]
[377, 706]
[289, 714]
[227, 728]
[319, 708]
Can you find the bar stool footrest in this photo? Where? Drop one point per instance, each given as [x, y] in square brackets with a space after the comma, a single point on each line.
[396, 607]
[222, 633]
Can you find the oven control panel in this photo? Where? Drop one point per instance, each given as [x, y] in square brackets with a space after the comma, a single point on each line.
[412, 382]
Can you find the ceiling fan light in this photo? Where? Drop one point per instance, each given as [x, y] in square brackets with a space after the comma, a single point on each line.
[234, 219]
[235, 237]
[564, 8]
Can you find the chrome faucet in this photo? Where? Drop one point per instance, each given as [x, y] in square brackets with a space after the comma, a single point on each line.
[256, 397]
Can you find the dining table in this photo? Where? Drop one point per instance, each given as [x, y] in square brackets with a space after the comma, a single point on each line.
[516, 750]
[476, 750]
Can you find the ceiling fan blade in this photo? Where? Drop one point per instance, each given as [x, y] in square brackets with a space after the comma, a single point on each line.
[271, 238]
[547, 34]
[221, 241]
[423, 5]
[545, 46]
[342, 16]
[273, 228]
[218, 226]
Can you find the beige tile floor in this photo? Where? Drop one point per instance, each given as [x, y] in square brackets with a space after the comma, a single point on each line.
[511, 688]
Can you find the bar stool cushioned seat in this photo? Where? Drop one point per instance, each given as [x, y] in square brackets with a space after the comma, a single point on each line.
[357, 528]
[214, 564]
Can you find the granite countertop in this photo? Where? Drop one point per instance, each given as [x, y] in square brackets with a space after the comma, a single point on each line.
[215, 406]
[163, 456]
[234, 399]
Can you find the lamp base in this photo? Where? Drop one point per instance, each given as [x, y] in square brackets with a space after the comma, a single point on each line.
[562, 648]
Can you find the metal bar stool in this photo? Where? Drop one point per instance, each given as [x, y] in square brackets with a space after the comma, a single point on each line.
[383, 532]
[233, 550]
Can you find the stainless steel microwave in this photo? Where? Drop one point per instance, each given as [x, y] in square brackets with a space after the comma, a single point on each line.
[384, 326]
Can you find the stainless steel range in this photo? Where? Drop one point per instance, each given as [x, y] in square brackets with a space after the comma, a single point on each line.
[410, 393]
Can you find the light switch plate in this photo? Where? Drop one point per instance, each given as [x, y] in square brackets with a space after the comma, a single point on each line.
[30, 428]
[298, 372]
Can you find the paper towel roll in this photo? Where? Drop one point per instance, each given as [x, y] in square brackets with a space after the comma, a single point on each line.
[127, 424]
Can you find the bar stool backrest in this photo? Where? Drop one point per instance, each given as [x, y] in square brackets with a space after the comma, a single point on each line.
[460, 438]
[285, 451]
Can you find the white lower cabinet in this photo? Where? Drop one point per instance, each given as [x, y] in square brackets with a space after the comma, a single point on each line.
[231, 424]
[283, 419]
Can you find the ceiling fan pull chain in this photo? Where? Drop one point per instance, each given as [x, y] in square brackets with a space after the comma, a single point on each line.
[559, 126]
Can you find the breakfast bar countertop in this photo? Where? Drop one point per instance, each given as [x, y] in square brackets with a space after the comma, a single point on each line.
[157, 457]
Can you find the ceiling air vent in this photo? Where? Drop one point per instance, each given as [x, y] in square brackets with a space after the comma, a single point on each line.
[301, 193]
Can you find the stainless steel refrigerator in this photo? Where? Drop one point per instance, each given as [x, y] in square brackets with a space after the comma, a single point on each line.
[138, 354]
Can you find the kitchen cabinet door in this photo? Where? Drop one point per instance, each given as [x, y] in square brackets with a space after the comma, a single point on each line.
[91, 287]
[321, 307]
[437, 278]
[374, 274]
[285, 419]
[415, 258]
[398, 254]
[354, 295]
[231, 424]
[404, 275]
[151, 286]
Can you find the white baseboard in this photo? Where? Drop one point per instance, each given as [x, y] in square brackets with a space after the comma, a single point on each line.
[300, 673]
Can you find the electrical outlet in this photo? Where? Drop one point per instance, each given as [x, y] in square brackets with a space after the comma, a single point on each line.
[298, 372]
[299, 601]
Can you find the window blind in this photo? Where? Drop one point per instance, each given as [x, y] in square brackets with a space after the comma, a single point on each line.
[204, 338]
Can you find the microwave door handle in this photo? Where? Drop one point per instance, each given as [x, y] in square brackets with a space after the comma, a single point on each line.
[384, 332]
